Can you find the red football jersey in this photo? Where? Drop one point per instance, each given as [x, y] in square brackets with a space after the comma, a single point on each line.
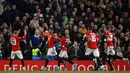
[63, 43]
[92, 44]
[109, 39]
[15, 42]
[51, 40]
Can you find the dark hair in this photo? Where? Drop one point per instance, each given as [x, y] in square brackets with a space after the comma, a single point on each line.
[90, 27]
[107, 27]
[102, 30]
[61, 33]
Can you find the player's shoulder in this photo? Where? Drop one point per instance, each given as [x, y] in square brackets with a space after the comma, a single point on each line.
[11, 36]
[51, 35]
[62, 38]
[14, 36]
[48, 35]
[92, 33]
[89, 32]
[107, 33]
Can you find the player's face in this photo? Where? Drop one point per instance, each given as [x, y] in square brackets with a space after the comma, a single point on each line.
[59, 34]
[46, 33]
[16, 33]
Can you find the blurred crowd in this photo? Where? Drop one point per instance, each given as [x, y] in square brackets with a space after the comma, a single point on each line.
[71, 17]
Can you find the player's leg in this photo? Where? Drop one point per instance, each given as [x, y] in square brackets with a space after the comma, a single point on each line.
[49, 53]
[71, 62]
[95, 63]
[109, 61]
[59, 59]
[65, 55]
[104, 58]
[103, 61]
[46, 63]
[61, 55]
[96, 55]
[111, 54]
[88, 52]
[11, 60]
[20, 56]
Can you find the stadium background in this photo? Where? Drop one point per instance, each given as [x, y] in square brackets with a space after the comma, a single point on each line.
[68, 16]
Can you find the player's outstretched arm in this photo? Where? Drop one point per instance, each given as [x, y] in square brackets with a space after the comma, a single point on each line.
[24, 37]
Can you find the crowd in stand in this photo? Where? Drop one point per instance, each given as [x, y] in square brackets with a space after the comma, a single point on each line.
[71, 17]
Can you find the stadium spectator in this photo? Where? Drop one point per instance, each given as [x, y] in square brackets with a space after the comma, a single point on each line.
[36, 40]
[1, 7]
[74, 50]
[1, 46]
[36, 54]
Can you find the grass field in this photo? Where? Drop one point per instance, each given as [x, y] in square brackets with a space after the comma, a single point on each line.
[64, 71]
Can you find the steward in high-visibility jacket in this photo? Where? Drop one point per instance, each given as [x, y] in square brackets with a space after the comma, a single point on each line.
[36, 54]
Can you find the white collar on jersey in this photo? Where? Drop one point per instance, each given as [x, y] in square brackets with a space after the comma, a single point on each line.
[36, 36]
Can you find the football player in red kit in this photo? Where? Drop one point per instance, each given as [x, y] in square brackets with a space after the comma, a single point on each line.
[51, 47]
[15, 42]
[91, 46]
[63, 53]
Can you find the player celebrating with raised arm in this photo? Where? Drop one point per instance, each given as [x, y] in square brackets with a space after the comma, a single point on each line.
[15, 42]
[51, 50]
[91, 46]
[63, 53]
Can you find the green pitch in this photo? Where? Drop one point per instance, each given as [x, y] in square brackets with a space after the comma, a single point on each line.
[64, 71]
